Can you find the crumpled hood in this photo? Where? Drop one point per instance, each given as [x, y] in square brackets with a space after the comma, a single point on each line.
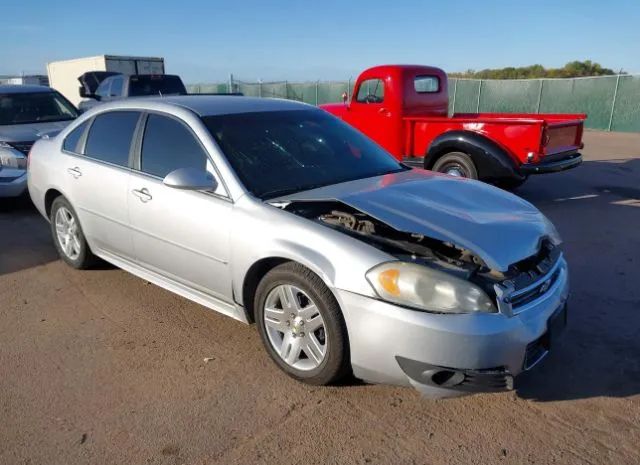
[31, 131]
[499, 227]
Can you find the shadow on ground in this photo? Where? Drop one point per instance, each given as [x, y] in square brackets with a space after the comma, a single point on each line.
[596, 209]
[26, 239]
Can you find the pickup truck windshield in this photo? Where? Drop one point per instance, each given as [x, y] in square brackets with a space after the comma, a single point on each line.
[163, 84]
[34, 107]
[277, 153]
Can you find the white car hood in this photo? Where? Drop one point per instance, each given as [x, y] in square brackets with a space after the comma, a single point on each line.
[498, 226]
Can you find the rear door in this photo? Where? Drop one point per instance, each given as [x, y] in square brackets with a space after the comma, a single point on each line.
[182, 235]
[98, 164]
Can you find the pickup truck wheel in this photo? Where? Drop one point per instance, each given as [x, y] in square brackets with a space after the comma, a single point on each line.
[301, 325]
[456, 164]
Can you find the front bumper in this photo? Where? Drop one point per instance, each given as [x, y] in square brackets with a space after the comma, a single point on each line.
[395, 345]
[13, 183]
[552, 164]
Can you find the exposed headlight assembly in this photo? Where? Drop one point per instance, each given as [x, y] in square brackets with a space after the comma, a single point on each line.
[11, 158]
[427, 289]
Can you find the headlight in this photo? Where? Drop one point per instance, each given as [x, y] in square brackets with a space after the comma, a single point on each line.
[11, 158]
[427, 289]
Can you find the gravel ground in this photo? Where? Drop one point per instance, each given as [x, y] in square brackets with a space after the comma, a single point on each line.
[101, 367]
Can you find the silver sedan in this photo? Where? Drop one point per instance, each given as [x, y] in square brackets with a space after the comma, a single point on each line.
[277, 213]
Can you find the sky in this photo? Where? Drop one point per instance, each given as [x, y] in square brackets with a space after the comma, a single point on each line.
[204, 41]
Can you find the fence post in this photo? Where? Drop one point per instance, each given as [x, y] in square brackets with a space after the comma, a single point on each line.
[539, 96]
[479, 92]
[260, 88]
[317, 82]
[286, 90]
[230, 83]
[613, 105]
[455, 90]
[349, 90]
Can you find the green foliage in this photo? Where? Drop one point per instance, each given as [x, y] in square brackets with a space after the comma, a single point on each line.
[570, 70]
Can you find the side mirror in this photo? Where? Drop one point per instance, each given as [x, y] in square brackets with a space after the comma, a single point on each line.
[191, 179]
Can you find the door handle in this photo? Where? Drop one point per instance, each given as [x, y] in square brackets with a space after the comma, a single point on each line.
[384, 111]
[143, 194]
[75, 172]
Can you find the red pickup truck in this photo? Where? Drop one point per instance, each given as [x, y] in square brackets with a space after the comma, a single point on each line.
[405, 109]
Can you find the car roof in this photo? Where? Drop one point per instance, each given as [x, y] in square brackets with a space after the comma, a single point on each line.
[208, 105]
[23, 89]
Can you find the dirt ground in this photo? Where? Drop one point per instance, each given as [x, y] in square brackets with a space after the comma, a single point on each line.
[100, 367]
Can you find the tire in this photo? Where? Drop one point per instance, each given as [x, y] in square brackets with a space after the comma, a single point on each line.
[456, 162]
[79, 256]
[280, 331]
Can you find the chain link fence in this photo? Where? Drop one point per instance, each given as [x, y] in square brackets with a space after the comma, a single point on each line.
[612, 103]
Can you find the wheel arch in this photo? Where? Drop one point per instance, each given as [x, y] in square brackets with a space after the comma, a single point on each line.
[49, 197]
[492, 161]
[258, 269]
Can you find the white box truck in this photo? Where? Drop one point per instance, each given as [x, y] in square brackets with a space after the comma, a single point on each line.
[63, 75]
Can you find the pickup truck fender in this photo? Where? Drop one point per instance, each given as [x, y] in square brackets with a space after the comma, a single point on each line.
[492, 161]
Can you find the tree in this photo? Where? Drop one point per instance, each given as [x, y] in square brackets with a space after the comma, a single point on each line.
[571, 69]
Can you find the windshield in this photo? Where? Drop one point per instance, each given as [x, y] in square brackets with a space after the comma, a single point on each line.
[282, 152]
[162, 84]
[35, 107]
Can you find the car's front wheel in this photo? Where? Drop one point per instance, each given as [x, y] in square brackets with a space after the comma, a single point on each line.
[301, 325]
[68, 237]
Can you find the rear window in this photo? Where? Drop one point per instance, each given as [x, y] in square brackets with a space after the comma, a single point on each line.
[426, 84]
[110, 137]
[156, 85]
[35, 107]
[73, 139]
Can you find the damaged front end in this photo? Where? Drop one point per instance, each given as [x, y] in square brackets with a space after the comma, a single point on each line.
[508, 290]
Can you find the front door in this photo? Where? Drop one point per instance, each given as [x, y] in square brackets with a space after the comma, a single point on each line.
[180, 234]
[370, 113]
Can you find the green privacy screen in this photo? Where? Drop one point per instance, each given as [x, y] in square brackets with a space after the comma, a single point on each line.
[611, 102]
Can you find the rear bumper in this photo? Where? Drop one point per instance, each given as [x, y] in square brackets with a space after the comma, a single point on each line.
[565, 162]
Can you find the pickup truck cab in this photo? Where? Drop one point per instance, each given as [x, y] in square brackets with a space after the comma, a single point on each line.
[405, 109]
[103, 86]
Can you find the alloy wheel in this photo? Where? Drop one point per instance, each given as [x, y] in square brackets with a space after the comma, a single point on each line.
[67, 233]
[295, 327]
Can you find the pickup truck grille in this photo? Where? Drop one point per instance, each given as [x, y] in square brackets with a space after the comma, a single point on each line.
[23, 147]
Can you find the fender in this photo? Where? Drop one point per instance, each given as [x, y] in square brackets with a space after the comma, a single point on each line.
[492, 161]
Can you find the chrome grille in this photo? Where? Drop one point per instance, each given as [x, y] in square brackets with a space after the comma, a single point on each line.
[511, 297]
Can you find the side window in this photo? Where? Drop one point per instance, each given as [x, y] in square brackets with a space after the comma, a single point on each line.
[168, 145]
[103, 88]
[116, 87]
[426, 84]
[371, 91]
[71, 142]
[110, 137]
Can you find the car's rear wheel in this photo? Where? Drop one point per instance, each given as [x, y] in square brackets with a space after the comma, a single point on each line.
[456, 164]
[68, 237]
[301, 325]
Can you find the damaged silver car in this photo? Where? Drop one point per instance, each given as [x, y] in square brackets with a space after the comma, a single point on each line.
[279, 214]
